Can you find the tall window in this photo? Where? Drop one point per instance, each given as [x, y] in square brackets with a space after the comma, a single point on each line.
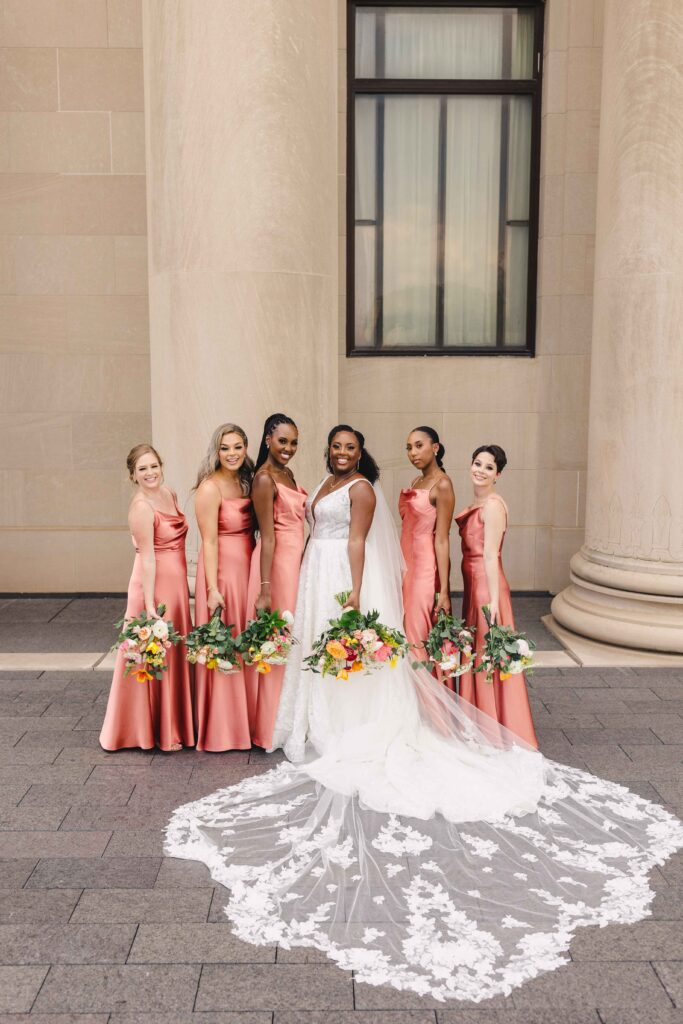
[444, 132]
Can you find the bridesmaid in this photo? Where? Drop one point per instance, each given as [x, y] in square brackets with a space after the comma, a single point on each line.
[224, 515]
[159, 713]
[482, 529]
[279, 506]
[426, 509]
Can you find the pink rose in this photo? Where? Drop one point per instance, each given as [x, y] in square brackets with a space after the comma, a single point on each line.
[384, 653]
[449, 647]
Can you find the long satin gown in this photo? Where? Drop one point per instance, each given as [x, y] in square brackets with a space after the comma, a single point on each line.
[158, 713]
[263, 691]
[221, 700]
[421, 580]
[507, 701]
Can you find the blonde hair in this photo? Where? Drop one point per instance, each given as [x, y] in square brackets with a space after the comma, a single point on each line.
[211, 461]
[136, 452]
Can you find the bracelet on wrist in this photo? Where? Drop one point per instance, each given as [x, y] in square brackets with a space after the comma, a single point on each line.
[264, 582]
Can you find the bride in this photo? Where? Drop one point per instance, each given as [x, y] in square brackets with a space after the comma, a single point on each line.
[411, 838]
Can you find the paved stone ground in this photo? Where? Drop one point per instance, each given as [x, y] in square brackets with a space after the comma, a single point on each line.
[97, 928]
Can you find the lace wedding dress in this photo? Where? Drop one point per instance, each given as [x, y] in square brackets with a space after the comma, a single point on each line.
[409, 837]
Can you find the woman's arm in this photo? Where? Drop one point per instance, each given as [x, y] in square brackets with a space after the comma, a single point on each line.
[363, 503]
[494, 519]
[207, 505]
[263, 494]
[445, 504]
[141, 523]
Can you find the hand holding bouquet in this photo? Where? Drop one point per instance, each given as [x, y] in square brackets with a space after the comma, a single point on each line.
[505, 651]
[213, 645]
[144, 642]
[355, 643]
[449, 646]
[266, 640]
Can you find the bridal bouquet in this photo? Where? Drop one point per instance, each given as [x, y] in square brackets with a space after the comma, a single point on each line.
[266, 640]
[213, 645]
[449, 646]
[355, 643]
[144, 642]
[505, 651]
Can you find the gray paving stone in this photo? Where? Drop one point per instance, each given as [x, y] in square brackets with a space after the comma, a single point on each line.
[44, 754]
[671, 977]
[23, 636]
[25, 818]
[194, 943]
[32, 609]
[670, 731]
[10, 708]
[646, 940]
[600, 737]
[182, 874]
[671, 791]
[59, 943]
[84, 610]
[153, 906]
[84, 817]
[102, 795]
[148, 989]
[53, 1018]
[44, 725]
[95, 873]
[27, 905]
[245, 1017]
[91, 756]
[356, 1017]
[300, 955]
[659, 1016]
[594, 985]
[276, 987]
[118, 774]
[136, 843]
[69, 738]
[53, 844]
[14, 873]
[19, 987]
[44, 775]
[673, 869]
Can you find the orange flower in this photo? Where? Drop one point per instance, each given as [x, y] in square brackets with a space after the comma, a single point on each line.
[262, 668]
[143, 676]
[357, 666]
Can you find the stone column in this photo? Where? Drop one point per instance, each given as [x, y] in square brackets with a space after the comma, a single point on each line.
[241, 137]
[627, 581]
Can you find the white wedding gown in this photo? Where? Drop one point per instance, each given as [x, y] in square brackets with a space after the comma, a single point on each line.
[409, 837]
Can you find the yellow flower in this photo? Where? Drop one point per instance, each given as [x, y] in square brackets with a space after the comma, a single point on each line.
[263, 668]
[335, 649]
[153, 648]
[393, 661]
[211, 664]
[343, 674]
[255, 658]
[505, 675]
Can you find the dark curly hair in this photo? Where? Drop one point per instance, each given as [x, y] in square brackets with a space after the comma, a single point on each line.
[367, 466]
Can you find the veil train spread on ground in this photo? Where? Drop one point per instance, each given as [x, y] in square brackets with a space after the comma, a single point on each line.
[412, 839]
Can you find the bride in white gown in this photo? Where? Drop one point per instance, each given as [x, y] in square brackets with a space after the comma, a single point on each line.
[412, 839]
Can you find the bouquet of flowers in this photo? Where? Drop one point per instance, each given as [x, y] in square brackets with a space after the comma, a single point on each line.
[355, 643]
[266, 640]
[144, 642]
[505, 651]
[213, 645]
[449, 646]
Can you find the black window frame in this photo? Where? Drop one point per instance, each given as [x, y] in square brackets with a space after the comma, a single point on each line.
[445, 87]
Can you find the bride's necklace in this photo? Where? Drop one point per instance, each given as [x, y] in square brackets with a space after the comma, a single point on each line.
[341, 482]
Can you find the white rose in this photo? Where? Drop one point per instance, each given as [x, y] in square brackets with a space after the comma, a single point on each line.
[201, 658]
[268, 648]
[288, 617]
[224, 666]
[523, 648]
[515, 667]
[160, 629]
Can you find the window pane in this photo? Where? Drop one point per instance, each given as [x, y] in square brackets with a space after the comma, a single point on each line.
[519, 158]
[472, 220]
[365, 306]
[410, 153]
[433, 42]
[517, 260]
[366, 146]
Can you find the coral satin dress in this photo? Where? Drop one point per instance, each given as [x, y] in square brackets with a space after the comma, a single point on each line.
[263, 691]
[221, 700]
[507, 701]
[158, 713]
[421, 581]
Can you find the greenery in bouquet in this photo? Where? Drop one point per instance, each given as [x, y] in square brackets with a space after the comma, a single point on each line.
[449, 646]
[505, 651]
[266, 640]
[213, 645]
[144, 642]
[355, 643]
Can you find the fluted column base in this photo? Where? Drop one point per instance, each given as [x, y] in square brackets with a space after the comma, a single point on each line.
[628, 602]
